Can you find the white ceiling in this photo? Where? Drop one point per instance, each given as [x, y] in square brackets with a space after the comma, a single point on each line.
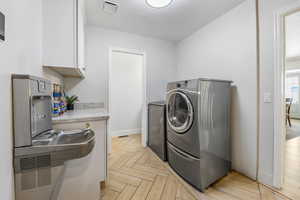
[175, 22]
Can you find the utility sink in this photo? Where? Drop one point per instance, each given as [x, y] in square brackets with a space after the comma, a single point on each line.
[59, 146]
[73, 137]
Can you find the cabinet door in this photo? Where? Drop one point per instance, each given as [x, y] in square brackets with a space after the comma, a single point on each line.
[59, 38]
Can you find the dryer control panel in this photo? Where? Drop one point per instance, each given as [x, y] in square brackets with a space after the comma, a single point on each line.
[191, 85]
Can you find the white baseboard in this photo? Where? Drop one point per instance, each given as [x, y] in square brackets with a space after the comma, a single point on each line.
[246, 171]
[126, 132]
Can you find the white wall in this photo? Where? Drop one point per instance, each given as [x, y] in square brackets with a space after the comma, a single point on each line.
[292, 35]
[20, 53]
[293, 41]
[226, 49]
[126, 93]
[267, 10]
[160, 61]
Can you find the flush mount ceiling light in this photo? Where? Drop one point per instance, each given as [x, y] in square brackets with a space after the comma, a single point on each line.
[158, 3]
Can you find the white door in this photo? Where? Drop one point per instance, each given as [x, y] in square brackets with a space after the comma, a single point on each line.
[126, 93]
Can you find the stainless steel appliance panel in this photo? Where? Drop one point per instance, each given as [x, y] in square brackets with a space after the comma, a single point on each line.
[214, 112]
[187, 166]
[204, 149]
[40, 152]
[21, 112]
[31, 108]
[157, 129]
[214, 129]
[41, 115]
[39, 184]
[183, 110]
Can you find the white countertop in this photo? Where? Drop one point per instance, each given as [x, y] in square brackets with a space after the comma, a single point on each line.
[81, 116]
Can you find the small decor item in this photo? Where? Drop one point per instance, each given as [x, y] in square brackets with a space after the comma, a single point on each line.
[70, 101]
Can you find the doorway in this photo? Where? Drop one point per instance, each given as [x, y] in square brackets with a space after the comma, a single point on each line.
[287, 106]
[127, 98]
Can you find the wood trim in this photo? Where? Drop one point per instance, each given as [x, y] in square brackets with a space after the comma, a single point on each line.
[145, 87]
[258, 86]
[279, 104]
[278, 100]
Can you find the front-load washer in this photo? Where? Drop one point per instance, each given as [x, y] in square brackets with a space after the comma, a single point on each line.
[198, 130]
[182, 106]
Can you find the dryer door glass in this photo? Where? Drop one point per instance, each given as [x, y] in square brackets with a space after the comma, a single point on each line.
[179, 112]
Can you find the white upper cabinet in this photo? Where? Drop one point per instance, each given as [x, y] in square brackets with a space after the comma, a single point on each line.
[63, 36]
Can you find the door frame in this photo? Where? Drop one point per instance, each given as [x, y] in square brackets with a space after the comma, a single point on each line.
[145, 92]
[279, 93]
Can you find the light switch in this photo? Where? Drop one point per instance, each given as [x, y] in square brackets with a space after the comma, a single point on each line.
[267, 97]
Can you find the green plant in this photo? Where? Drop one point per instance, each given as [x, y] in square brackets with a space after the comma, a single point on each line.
[71, 99]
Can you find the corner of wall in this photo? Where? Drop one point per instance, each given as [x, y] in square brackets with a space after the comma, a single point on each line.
[265, 178]
[176, 57]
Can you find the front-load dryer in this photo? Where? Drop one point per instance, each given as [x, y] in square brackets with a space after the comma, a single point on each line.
[182, 106]
[198, 134]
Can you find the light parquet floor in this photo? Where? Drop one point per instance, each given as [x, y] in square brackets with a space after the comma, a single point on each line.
[291, 186]
[136, 173]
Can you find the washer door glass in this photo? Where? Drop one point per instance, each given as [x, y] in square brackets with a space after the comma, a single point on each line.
[179, 112]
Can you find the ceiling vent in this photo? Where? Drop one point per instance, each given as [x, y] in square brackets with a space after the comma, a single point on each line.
[111, 6]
